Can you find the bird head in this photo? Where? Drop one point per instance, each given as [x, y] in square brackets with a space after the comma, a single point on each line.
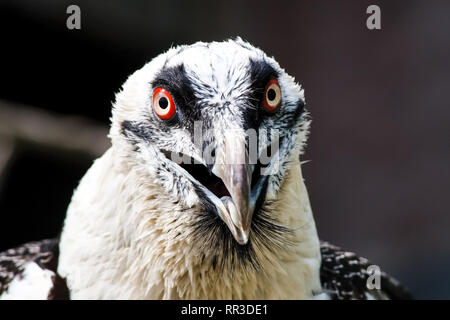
[217, 125]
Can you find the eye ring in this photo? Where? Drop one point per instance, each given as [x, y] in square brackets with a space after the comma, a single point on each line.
[272, 96]
[163, 104]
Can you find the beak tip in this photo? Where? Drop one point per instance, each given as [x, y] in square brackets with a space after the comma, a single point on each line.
[243, 242]
[242, 236]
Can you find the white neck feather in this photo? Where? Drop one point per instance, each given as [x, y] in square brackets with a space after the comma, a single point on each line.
[124, 238]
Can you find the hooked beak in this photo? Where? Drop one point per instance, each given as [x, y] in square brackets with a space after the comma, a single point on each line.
[243, 197]
[233, 168]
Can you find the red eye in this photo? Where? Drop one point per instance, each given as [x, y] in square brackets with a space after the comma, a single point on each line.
[272, 96]
[163, 104]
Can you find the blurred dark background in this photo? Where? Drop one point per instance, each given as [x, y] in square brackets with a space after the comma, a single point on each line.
[378, 178]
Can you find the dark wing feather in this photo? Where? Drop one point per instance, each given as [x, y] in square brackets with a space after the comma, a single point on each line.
[44, 253]
[344, 276]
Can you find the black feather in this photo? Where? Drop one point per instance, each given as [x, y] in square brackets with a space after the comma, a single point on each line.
[44, 253]
[344, 276]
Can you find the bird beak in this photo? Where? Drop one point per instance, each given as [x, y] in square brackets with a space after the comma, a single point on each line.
[233, 168]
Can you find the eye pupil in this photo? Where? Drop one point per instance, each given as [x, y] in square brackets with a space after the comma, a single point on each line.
[271, 94]
[163, 103]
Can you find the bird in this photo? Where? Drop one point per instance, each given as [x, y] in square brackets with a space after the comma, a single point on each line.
[200, 196]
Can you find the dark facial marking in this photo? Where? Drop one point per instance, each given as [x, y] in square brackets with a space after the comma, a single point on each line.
[260, 74]
[175, 80]
[136, 132]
